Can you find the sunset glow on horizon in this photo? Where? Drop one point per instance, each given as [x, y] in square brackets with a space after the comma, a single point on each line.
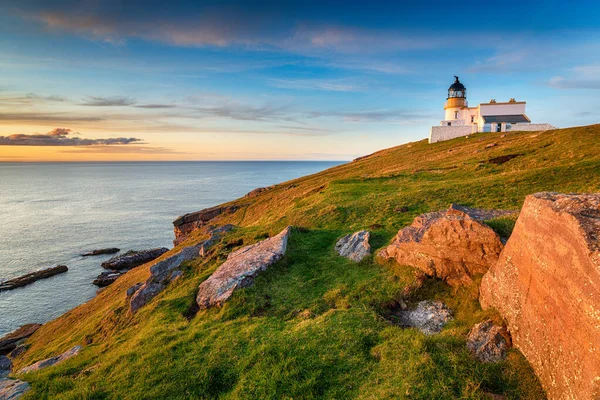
[147, 81]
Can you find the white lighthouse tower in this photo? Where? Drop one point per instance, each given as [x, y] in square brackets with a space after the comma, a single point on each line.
[462, 120]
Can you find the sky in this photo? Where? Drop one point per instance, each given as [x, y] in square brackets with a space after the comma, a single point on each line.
[104, 80]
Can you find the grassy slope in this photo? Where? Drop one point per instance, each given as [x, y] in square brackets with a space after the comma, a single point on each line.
[311, 326]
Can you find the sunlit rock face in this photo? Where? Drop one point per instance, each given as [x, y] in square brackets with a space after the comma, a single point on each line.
[546, 285]
[240, 269]
[453, 245]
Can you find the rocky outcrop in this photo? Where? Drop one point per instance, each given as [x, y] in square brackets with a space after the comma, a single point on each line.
[546, 285]
[10, 341]
[429, 317]
[52, 360]
[32, 277]
[488, 342]
[453, 245]
[12, 389]
[169, 269]
[106, 278]
[354, 246]
[161, 274]
[98, 252]
[240, 269]
[133, 259]
[187, 223]
[5, 366]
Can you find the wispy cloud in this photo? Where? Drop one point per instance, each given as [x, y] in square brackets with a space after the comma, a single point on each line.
[96, 101]
[61, 137]
[316, 84]
[44, 117]
[153, 106]
[374, 115]
[580, 77]
[140, 150]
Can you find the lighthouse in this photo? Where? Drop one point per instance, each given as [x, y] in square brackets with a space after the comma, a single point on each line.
[456, 101]
[462, 120]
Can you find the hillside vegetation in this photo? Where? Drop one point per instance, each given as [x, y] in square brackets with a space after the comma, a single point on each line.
[314, 325]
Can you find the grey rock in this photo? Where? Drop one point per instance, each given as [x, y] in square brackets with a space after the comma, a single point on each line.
[133, 259]
[11, 389]
[161, 274]
[240, 269]
[354, 246]
[52, 360]
[429, 317]
[134, 289]
[106, 278]
[10, 341]
[32, 277]
[5, 366]
[98, 252]
[488, 342]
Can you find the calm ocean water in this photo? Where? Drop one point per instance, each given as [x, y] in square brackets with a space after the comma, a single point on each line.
[52, 212]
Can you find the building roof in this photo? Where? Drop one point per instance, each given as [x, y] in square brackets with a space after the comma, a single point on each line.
[511, 119]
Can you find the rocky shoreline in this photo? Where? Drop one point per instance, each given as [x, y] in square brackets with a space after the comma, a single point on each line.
[31, 277]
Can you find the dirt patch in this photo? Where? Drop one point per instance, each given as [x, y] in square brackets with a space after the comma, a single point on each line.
[502, 159]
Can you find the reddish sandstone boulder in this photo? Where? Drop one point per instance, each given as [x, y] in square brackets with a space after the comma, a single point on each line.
[546, 285]
[452, 245]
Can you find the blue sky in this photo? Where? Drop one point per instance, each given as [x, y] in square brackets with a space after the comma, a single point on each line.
[278, 80]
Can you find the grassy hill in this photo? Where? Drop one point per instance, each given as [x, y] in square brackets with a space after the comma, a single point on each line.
[313, 325]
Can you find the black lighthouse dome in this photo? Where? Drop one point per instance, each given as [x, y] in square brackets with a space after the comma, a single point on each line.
[457, 89]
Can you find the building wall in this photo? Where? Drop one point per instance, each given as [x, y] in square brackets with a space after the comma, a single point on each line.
[531, 127]
[441, 133]
[502, 109]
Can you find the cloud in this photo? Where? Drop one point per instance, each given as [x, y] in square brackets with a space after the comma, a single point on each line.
[373, 115]
[315, 84]
[96, 101]
[61, 137]
[151, 106]
[122, 150]
[580, 77]
[47, 117]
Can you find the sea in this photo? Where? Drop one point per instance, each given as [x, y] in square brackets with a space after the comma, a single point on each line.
[51, 213]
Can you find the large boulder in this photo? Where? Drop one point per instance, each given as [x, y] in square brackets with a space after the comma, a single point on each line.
[133, 259]
[354, 246]
[12, 389]
[546, 285]
[453, 245]
[240, 269]
[52, 360]
[10, 341]
[488, 342]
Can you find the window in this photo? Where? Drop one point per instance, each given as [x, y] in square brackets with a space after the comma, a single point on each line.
[472, 118]
[455, 114]
[449, 123]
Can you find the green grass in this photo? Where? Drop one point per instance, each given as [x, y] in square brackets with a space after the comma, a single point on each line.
[313, 325]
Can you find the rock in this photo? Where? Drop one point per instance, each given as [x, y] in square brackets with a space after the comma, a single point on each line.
[12, 389]
[258, 191]
[429, 317]
[187, 223]
[98, 252]
[52, 360]
[240, 269]
[5, 366]
[546, 285]
[401, 209]
[32, 277]
[354, 246]
[106, 278]
[452, 245]
[133, 289]
[20, 349]
[490, 145]
[10, 341]
[488, 342]
[161, 274]
[215, 233]
[133, 259]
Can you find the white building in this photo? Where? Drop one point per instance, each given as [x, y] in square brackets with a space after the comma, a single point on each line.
[462, 120]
